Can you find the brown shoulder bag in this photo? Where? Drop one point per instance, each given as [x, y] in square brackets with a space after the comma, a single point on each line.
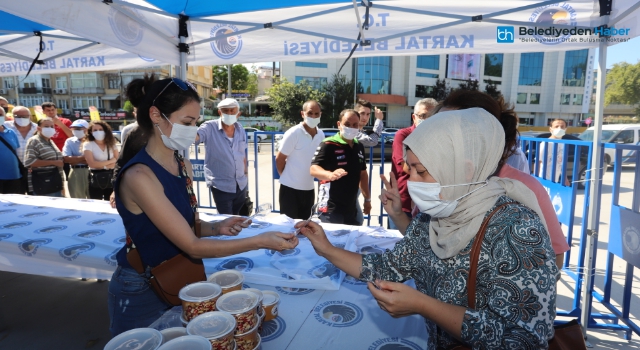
[568, 336]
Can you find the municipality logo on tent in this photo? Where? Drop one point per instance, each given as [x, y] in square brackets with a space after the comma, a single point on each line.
[126, 29]
[225, 46]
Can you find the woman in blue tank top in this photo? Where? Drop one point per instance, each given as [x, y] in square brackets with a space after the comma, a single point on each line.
[155, 206]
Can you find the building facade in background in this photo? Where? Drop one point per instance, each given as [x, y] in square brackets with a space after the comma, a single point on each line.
[541, 85]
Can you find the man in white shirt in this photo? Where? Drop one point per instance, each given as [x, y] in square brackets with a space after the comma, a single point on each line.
[297, 148]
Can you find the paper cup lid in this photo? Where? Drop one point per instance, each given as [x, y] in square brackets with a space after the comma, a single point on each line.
[227, 278]
[257, 292]
[237, 302]
[270, 297]
[212, 325]
[199, 291]
[169, 334]
[191, 342]
[138, 338]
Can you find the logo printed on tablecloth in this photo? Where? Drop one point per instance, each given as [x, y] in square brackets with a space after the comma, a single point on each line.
[111, 258]
[73, 251]
[393, 343]
[239, 264]
[227, 47]
[33, 215]
[67, 218]
[101, 222]
[4, 236]
[327, 269]
[339, 233]
[338, 313]
[273, 329]
[353, 281]
[370, 249]
[7, 211]
[10, 205]
[125, 28]
[287, 252]
[120, 240]
[90, 233]
[30, 246]
[13, 225]
[293, 291]
[50, 229]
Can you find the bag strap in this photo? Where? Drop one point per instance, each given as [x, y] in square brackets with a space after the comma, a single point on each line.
[475, 256]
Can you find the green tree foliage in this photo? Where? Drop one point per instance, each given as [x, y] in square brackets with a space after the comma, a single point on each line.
[128, 107]
[252, 82]
[623, 84]
[287, 99]
[239, 77]
[492, 89]
[440, 90]
[469, 84]
[338, 95]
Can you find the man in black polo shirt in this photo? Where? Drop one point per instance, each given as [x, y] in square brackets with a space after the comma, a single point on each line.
[339, 165]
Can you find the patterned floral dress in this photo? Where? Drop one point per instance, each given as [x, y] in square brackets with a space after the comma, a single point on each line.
[515, 288]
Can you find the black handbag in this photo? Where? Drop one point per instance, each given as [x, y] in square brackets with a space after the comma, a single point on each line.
[46, 181]
[101, 178]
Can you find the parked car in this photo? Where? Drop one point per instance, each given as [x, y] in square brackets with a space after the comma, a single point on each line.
[628, 134]
[584, 156]
[251, 132]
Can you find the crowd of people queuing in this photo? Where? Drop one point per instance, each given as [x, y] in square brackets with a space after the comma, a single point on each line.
[452, 181]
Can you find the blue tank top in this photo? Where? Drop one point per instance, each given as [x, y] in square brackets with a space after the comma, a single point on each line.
[153, 246]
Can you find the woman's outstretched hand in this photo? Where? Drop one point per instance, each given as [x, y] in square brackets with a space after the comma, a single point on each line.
[315, 234]
[397, 299]
[232, 226]
[278, 241]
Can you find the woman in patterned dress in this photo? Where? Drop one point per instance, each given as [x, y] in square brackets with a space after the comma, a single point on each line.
[450, 158]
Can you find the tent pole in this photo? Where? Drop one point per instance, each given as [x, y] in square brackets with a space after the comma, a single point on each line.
[594, 197]
[15, 87]
[183, 61]
[229, 80]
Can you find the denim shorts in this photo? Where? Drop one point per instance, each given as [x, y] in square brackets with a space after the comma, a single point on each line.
[132, 302]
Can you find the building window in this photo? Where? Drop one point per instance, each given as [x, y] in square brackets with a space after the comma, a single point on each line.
[315, 82]
[374, 75]
[577, 99]
[84, 102]
[8, 83]
[423, 91]
[494, 82]
[427, 75]
[86, 80]
[114, 82]
[531, 68]
[534, 99]
[564, 99]
[311, 65]
[522, 98]
[575, 67]
[429, 62]
[61, 82]
[526, 121]
[62, 104]
[30, 101]
[126, 79]
[493, 64]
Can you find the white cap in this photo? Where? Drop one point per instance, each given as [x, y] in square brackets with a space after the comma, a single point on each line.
[80, 123]
[228, 102]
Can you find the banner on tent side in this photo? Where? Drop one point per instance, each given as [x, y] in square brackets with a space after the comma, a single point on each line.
[561, 197]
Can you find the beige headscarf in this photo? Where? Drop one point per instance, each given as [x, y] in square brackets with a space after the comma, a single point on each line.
[459, 147]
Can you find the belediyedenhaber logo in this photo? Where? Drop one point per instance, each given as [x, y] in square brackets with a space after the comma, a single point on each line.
[554, 35]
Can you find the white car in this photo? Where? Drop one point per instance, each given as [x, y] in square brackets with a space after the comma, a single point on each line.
[250, 133]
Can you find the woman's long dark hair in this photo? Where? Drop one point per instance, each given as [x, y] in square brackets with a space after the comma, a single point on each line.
[109, 140]
[141, 93]
[464, 99]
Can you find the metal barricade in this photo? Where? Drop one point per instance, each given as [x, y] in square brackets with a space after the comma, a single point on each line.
[624, 243]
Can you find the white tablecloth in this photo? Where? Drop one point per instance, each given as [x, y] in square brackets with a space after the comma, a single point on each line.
[79, 238]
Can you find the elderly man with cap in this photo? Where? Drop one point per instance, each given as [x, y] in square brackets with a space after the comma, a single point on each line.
[225, 162]
[72, 152]
[24, 129]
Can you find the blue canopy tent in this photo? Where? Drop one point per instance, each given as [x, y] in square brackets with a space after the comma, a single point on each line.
[203, 32]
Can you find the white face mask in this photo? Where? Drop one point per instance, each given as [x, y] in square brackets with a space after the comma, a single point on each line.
[349, 133]
[229, 119]
[426, 195]
[98, 135]
[48, 132]
[182, 136]
[558, 132]
[22, 121]
[79, 133]
[312, 122]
